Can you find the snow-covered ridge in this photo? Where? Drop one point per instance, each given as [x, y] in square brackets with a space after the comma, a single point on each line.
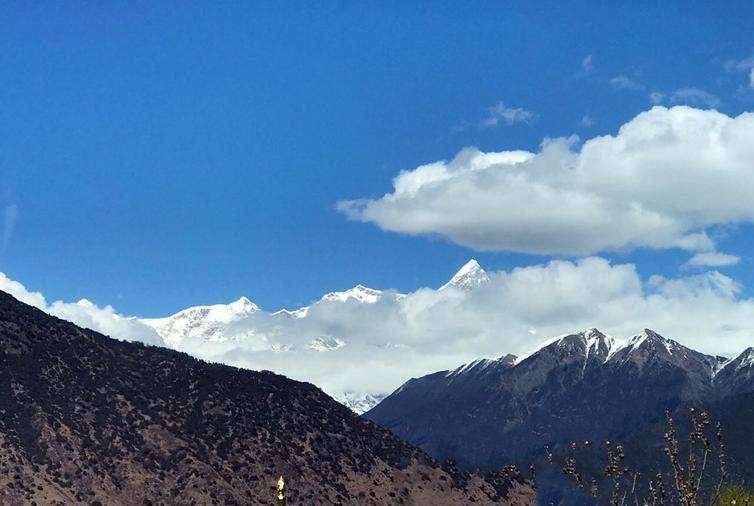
[200, 321]
[606, 349]
[359, 403]
[210, 331]
[325, 343]
[359, 293]
[216, 323]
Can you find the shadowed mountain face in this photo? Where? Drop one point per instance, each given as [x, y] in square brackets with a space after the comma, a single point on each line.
[583, 386]
[87, 419]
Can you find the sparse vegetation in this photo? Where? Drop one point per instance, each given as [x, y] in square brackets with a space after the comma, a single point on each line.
[695, 474]
[733, 495]
[86, 419]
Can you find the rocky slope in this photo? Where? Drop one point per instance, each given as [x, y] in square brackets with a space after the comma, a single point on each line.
[89, 420]
[576, 387]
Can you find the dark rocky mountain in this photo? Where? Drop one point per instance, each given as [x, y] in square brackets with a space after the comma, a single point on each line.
[85, 419]
[584, 386]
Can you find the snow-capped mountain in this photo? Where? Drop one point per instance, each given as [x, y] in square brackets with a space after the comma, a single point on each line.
[469, 277]
[575, 386]
[213, 332]
[204, 322]
[358, 293]
[359, 403]
[213, 323]
[325, 343]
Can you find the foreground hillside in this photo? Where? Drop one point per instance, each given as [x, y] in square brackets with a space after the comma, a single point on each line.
[90, 420]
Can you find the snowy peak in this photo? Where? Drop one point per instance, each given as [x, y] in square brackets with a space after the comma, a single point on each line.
[651, 349]
[242, 306]
[358, 403]
[325, 343]
[200, 321]
[469, 277]
[649, 344]
[589, 344]
[359, 293]
[737, 376]
[744, 361]
[483, 366]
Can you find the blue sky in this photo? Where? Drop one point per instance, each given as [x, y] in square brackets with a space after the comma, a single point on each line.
[160, 156]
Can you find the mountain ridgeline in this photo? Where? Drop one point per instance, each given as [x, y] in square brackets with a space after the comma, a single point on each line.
[243, 325]
[90, 420]
[584, 386]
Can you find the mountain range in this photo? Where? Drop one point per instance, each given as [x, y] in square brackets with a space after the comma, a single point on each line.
[91, 420]
[582, 386]
[200, 330]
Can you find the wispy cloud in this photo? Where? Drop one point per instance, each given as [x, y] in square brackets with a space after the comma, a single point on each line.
[656, 98]
[500, 113]
[11, 217]
[744, 66]
[587, 67]
[587, 64]
[712, 259]
[694, 96]
[623, 82]
[587, 121]
[686, 96]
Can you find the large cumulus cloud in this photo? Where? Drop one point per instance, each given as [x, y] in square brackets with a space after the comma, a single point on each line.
[381, 345]
[390, 341]
[85, 314]
[666, 177]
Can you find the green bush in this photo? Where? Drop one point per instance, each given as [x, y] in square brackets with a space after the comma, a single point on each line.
[734, 495]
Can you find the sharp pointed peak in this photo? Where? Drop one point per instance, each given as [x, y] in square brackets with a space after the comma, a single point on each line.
[243, 302]
[468, 277]
[747, 355]
[470, 265]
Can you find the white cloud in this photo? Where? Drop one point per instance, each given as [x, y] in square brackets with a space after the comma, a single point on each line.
[508, 115]
[85, 314]
[712, 259]
[587, 67]
[666, 176]
[686, 96]
[385, 343]
[623, 82]
[587, 121]
[11, 216]
[587, 64]
[656, 98]
[379, 346]
[694, 96]
[745, 66]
